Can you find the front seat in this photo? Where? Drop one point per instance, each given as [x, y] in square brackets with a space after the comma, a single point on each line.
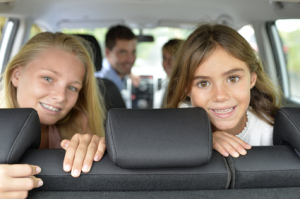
[110, 92]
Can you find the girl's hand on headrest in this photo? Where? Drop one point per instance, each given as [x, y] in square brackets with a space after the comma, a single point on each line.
[228, 144]
[16, 180]
[81, 151]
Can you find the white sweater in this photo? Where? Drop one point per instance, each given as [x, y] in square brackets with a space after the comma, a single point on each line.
[257, 132]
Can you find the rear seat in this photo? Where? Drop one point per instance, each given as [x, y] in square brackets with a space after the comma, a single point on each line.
[153, 151]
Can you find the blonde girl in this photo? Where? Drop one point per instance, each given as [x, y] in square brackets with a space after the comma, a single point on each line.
[53, 73]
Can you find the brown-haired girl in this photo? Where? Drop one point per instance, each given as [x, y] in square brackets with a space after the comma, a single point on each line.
[220, 72]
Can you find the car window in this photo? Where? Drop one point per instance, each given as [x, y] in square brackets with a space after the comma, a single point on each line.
[149, 54]
[35, 29]
[2, 23]
[98, 33]
[289, 31]
[248, 33]
[9, 28]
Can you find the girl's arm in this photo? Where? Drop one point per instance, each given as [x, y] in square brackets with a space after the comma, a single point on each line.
[17, 180]
[228, 144]
[81, 151]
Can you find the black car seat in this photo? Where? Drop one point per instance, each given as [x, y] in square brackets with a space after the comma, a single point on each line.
[110, 92]
[168, 155]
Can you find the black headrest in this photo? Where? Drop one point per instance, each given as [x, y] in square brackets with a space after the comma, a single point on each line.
[96, 49]
[287, 127]
[20, 129]
[158, 138]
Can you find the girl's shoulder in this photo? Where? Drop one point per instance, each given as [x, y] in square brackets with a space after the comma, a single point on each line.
[257, 131]
[255, 120]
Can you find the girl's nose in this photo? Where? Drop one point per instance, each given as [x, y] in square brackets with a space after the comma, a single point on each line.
[220, 93]
[59, 95]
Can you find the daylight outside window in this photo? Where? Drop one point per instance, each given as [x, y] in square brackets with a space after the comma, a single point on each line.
[149, 54]
[289, 31]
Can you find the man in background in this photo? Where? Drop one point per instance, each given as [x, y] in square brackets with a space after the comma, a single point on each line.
[120, 51]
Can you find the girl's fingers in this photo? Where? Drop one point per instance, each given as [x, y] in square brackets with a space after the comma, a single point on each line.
[244, 144]
[80, 154]
[81, 151]
[22, 170]
[14, 194]
[220, 149]
[91, 151]
[231, 144]
[70, 153]
[101, 149]
[23, 184]
[17, 180]
[64, 144]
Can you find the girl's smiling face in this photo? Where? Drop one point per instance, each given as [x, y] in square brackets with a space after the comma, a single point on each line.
[222, 86]
[50, 84]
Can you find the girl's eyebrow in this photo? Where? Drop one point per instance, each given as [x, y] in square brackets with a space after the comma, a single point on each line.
[233, 71]
[53, 71]
[224, 74]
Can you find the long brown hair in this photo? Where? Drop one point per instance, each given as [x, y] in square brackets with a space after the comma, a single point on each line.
[265, 99]
[89, 101]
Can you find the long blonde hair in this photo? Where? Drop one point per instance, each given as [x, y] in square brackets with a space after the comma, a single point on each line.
[265, 99]
[89, 101]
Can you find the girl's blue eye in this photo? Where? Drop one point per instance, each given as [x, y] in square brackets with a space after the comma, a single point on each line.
[48, 79]
[233, 79]
[73, 88]
[203, 84]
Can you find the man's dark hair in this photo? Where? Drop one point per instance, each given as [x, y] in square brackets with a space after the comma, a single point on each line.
[117, 32]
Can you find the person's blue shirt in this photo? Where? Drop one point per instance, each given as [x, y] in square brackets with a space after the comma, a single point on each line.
[109, 72]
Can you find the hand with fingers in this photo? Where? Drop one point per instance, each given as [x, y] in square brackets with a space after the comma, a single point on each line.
[16, 180]
[228, 144]
[81, 151]
[135, 79]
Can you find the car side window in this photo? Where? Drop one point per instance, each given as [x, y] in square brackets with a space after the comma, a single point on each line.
[34, 30]
[289, 31]
[8, 28]
[248, 33]
[2, 24]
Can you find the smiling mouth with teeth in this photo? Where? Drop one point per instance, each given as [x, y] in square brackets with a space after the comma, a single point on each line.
[51, 108]
[223, 111]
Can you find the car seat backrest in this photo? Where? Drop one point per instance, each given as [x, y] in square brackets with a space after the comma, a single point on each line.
[272, 166]
[155, 150]
[145, 146]
[158, 138]
[20, 129]
[110, 92]
[96, 50]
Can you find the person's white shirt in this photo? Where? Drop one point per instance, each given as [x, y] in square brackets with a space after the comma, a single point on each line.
[256, 132]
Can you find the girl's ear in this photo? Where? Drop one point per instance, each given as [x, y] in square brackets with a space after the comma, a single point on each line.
[188, 94]
[253, 79]
[15, 76]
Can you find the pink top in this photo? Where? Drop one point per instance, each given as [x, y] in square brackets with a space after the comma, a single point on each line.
[54, 136]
